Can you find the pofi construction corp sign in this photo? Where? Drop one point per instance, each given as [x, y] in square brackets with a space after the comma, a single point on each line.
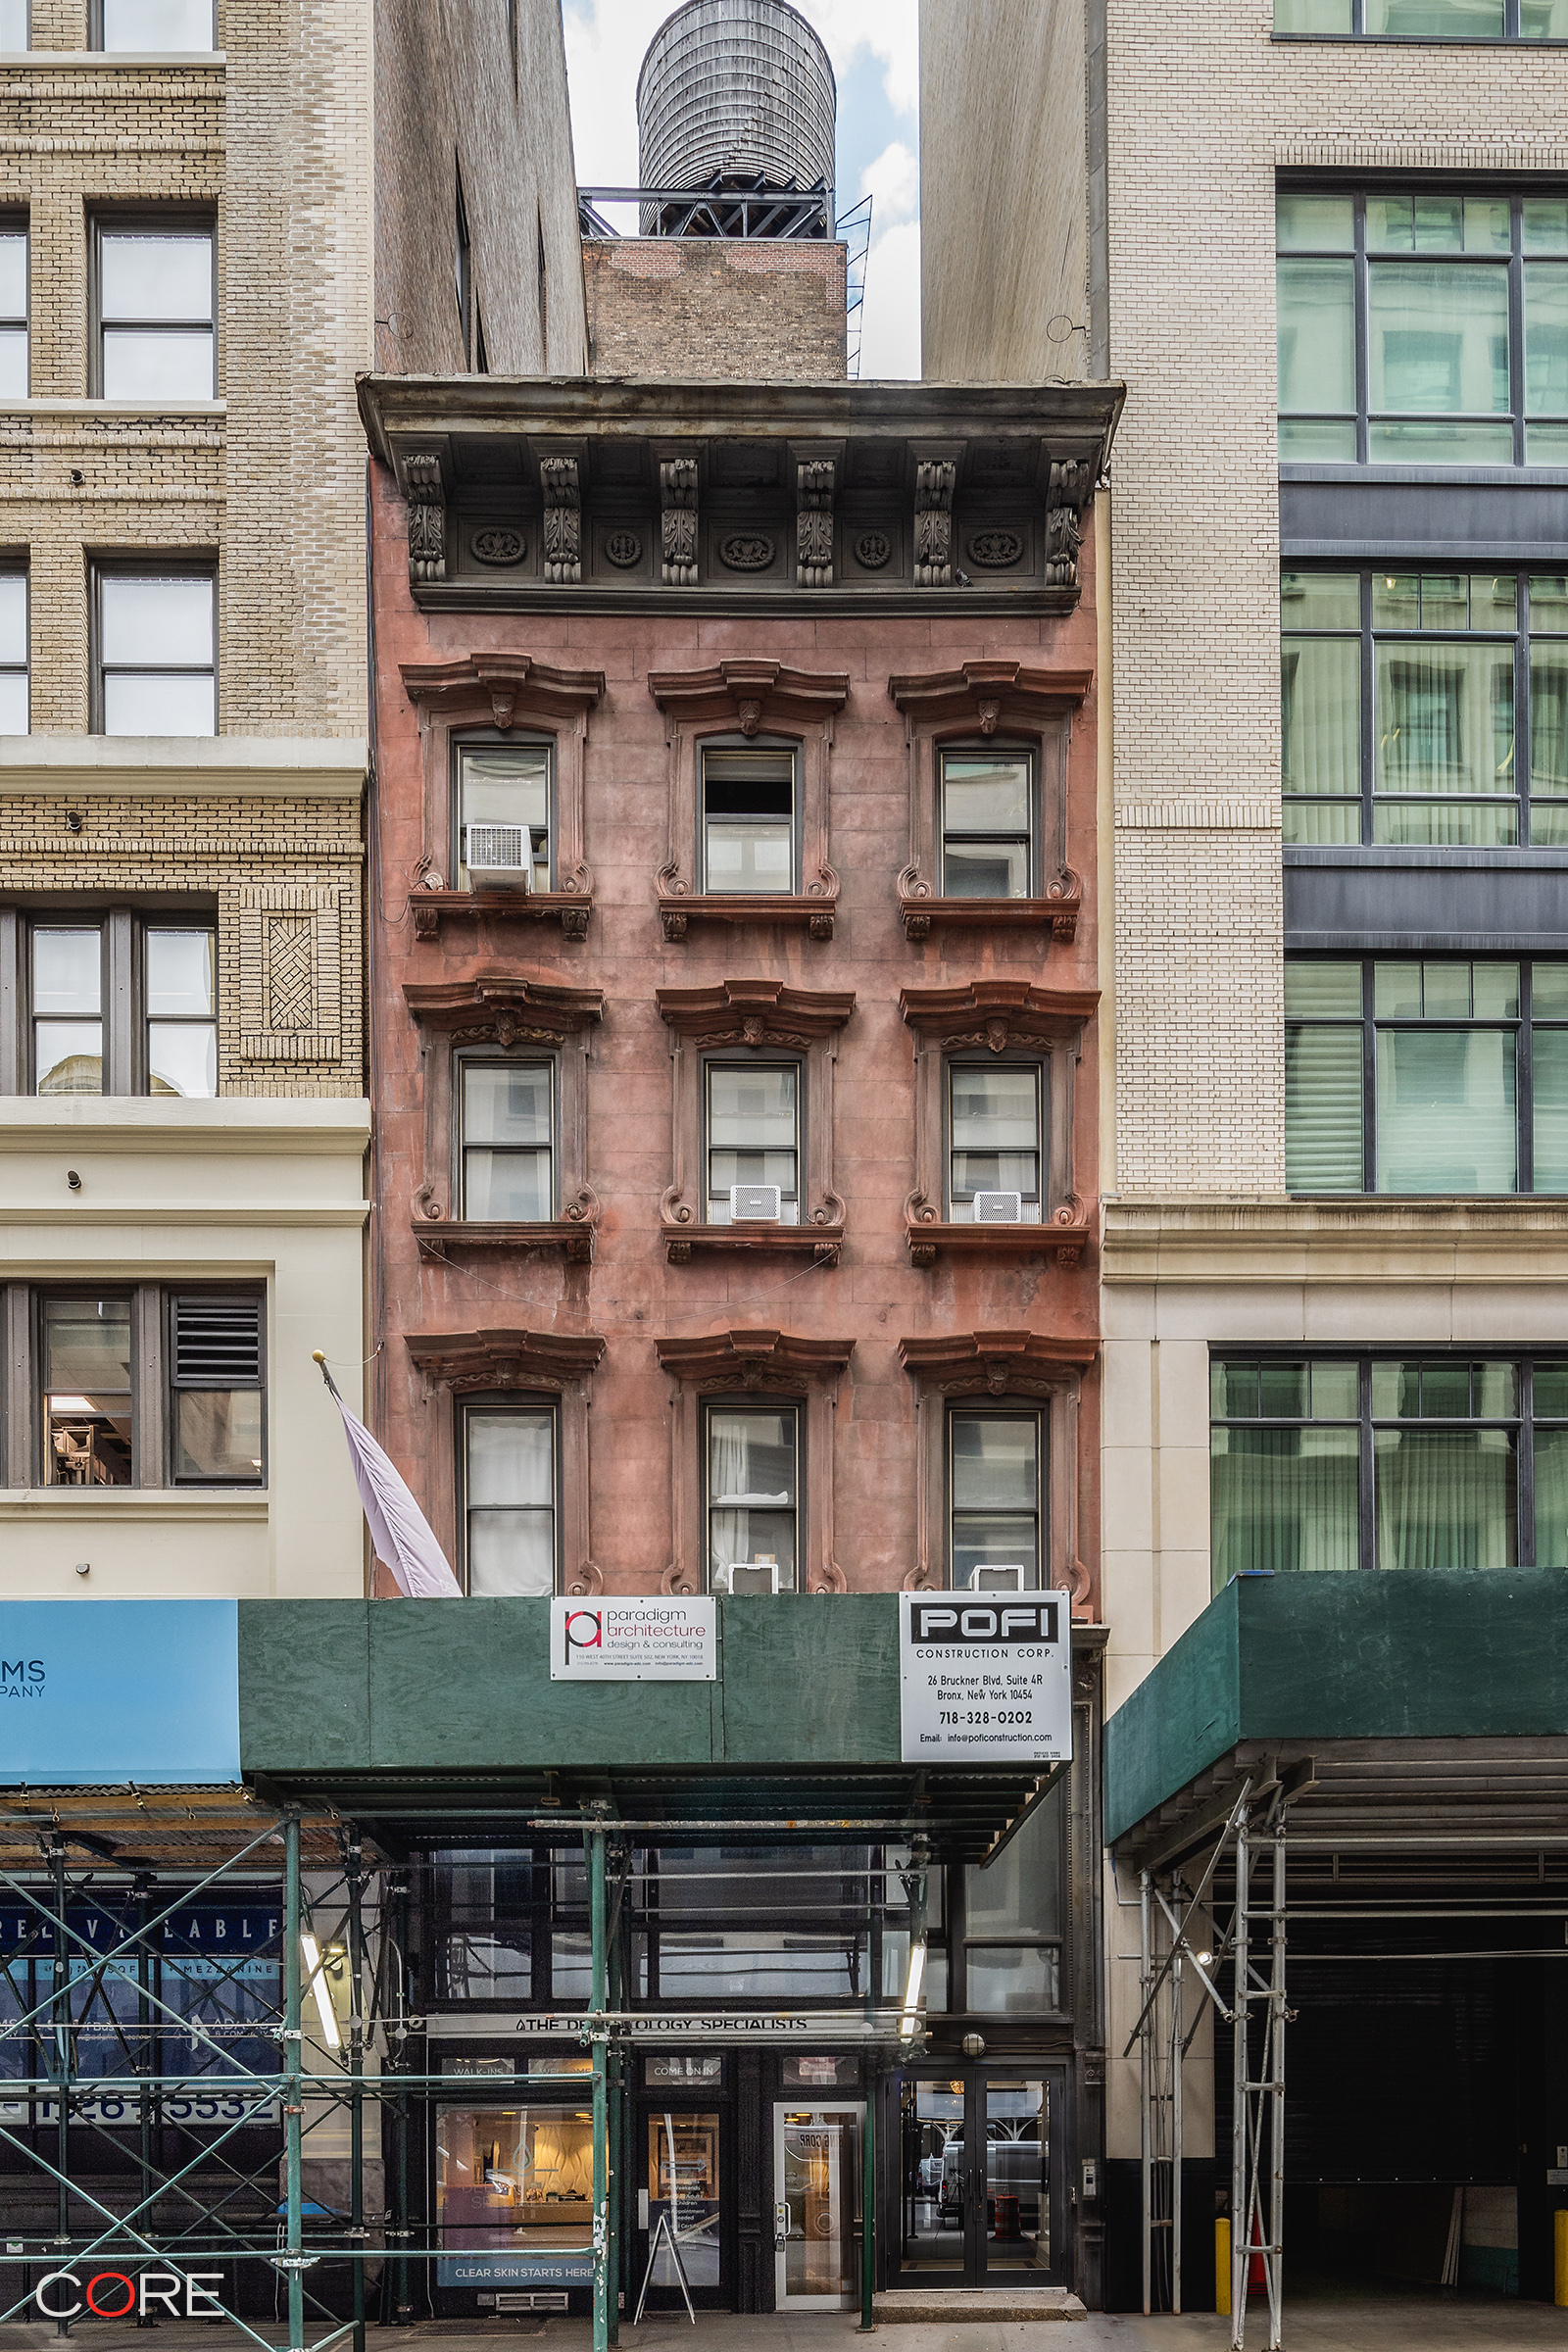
[986, 1679]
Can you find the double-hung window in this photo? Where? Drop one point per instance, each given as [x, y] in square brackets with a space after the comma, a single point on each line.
[508, 1458]
[124, 1006]
[1425, 327]
[14, 718]
[207, 1349]
[507, 1114]
[752, 1119]
[1434, 1076]
[14, 376]
[155, 25]
[156, 302]
[995, 1137]
[156, 637]
[988, 824]
[752, 1499]
[994, 1498]
[749, 822]
[1355, 1461]
[16, 32]
[504, 809]
[1425, 709]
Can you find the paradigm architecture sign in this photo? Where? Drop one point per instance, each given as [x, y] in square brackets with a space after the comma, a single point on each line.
[985, 1678]
[661, 1640]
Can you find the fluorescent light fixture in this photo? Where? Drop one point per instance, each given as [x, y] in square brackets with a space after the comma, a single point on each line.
[323, 1998]
[912, 1992]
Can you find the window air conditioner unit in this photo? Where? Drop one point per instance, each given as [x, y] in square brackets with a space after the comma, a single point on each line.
[755, 1203]
[739, 1578]
[500, 857]
[999, 1208]
[995, 1579]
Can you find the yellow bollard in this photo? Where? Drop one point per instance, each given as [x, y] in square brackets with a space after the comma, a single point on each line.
[1559, 2259]
[1222, 2262]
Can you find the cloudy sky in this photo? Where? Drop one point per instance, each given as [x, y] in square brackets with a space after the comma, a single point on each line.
[875, 59]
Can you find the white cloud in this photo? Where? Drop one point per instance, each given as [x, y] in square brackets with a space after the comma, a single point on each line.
[890, 331]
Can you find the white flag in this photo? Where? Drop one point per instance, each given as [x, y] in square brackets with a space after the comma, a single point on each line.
[401, 1535]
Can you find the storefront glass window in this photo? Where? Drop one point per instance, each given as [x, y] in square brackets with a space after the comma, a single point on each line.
[513, 2179]
[683, 2188]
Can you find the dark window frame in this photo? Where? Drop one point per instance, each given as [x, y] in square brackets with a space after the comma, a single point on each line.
[39, 1295]
[164, 219]
[1358, 188]
[151, 566]
[1523, 1023]
[495, 1057]
[517, 1404]
[1039, 1065]
[987, 747]
[1368, 637]
[780, 747]
[217, 1293]
[1000, 1408]
[517, 738]
[753, 1057]
[16, 221]
[1524, 1422]
[1510, 36]
[122, 928]
[18, 567]
[746, 1400]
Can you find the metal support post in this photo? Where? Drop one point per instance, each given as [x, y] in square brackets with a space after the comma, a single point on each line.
[355, 1943]
[293, 2090]
[1275, 2259]
[619, 1942]
[1241, 2225]
[61, 2069]
[1176, 2134]
[868, 2325]
[1145, 2088]
[400, 2312]
[594, 1839]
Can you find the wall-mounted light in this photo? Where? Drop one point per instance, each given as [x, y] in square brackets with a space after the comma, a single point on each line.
[912, 1992]
[323, 1998]
[74, 1180]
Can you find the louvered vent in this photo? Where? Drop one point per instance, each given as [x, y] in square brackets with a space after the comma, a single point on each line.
[218, 1343]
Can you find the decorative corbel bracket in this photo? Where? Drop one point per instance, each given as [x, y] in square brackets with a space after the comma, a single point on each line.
[562, 534]
[1072, 486]
[934, 484]
[677, 490]
[816, 483]
[427, 497]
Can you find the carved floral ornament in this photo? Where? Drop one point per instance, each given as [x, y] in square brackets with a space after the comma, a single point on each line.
[500, 683]
[754, 1360]
[745, 693]
[502, 1006]
[505, 1358]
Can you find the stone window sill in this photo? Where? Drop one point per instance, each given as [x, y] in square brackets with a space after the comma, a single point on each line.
[808, 911]
[135, 1503]
[1057, 911]
[572, 1234]
[432, 908]
[1064, 1238]
[820, 1242]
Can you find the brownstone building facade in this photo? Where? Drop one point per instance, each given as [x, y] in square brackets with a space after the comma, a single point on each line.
[733, 1008]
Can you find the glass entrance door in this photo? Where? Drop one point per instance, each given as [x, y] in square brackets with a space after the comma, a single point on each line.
[681, 2204]
[816, 2218]
[983, 2177]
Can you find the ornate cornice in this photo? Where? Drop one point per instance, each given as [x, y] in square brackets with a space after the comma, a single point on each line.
[989, 692]
[997, 1014]
[996, 1363]
[501, 1358]
[505, 680]
[752, 1359]
[754, 1012]
[503, 1005]
[749, 693]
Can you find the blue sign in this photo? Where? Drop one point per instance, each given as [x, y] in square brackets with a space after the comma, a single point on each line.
[102, 1691]
[516, 2269]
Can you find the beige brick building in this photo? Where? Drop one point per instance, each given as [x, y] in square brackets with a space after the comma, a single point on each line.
[1100, 193]
[201, 248]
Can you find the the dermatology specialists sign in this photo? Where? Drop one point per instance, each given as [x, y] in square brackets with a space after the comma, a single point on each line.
[664, 1640]
[985, 1678]
[103, 1691]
